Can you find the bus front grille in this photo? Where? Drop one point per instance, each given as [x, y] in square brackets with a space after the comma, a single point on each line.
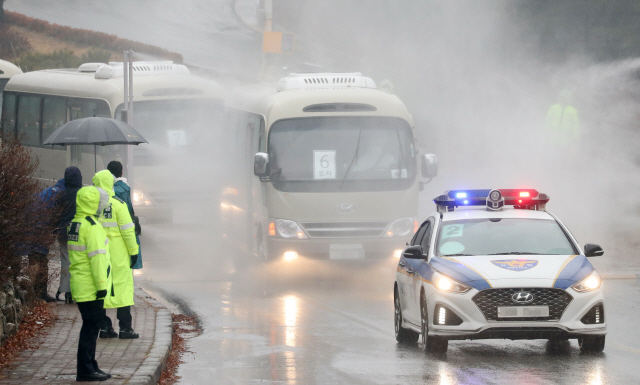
[344, 229]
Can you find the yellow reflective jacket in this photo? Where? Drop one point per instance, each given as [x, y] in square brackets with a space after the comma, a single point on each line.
[88, 247]
[563, 124]
[119, 228]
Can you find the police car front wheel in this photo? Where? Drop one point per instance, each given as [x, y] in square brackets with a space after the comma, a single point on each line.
[430, 344]
[591, 343]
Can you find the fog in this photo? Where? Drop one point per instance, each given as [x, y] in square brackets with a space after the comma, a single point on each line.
[470, 72]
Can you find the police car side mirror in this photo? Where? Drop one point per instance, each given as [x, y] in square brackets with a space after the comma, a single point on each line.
[413, 252]
[429, 165]
[260, 162]
[591, 250]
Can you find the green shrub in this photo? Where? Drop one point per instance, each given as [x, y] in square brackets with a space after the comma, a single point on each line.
[59, 59]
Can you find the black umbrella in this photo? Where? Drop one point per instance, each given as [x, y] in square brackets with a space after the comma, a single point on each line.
[96, 131]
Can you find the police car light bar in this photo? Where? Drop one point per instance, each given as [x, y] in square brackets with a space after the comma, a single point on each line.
[519, 198]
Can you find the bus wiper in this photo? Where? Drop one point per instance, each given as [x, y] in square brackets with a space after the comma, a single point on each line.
[517, 253]
[355, 157]
[456, 255]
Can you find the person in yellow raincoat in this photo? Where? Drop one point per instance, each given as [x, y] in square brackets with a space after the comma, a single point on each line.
[119, 227]
[90, 270]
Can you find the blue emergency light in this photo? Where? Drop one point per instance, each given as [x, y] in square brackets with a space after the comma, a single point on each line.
[493, 199]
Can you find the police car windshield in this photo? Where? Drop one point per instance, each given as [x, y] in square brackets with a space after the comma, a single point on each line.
[502, 237]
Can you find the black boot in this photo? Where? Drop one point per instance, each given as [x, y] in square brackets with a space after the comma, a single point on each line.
[108, 333]
[91, 377]
[58, 295]
[97, 369]
[128, 334]
[47, 298]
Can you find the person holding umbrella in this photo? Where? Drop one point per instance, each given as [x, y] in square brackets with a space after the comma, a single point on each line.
[124, 253]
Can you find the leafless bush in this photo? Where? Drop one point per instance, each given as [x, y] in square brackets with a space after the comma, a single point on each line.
[12, 44]
[26, 225]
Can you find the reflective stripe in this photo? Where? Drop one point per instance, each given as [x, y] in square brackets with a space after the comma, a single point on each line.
[94, 253]
[106, 241]
[127, 226]
[109, 224]
[104, 201]
[77, 247]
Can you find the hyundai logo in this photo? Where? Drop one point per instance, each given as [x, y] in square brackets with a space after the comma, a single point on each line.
[522, 297]
[345, 208]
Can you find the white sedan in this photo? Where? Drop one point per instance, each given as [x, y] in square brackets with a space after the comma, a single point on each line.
[495, 264]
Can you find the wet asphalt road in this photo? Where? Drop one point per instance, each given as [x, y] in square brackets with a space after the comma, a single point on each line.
[333, 324]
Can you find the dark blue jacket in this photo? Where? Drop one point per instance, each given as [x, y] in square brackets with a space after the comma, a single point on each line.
[67, 201]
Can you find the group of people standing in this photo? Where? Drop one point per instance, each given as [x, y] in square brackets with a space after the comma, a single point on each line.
[98, 251]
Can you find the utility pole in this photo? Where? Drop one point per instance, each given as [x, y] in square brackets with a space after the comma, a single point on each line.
[127, 104]
[268, 27]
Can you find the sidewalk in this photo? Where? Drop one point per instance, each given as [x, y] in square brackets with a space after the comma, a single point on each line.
[136, 361]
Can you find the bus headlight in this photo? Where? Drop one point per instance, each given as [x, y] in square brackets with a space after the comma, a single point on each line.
[590, 283]
[400, 228]
[285, 228]
[444, 283]
[138, 198]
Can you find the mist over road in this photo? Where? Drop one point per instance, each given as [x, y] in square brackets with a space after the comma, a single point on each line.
[478, 95]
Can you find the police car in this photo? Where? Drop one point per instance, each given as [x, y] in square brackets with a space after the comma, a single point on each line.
[495, 264]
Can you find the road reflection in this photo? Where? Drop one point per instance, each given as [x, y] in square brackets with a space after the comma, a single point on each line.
[291, 304]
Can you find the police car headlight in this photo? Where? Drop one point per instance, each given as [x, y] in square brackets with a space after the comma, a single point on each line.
[138, 198]
[590, 283]
[289, 229]
[444, 283]
[400, 228]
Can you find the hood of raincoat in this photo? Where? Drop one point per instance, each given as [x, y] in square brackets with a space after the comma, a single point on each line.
[104, 179]
[72, 177]
[87, 201]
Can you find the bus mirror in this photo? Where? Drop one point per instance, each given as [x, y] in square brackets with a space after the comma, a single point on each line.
[429, 165]
[260, 164]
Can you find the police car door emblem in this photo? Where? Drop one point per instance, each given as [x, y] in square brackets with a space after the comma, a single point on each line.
[522, 297]
[516, 264]
[345, 208]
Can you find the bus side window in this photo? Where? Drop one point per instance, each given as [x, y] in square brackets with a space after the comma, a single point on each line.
[54, 115]
[9, 115]
[29, 120]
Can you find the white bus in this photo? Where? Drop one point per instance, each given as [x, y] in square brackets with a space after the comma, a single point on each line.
[178, 113]
[7, 70]
[329, 169]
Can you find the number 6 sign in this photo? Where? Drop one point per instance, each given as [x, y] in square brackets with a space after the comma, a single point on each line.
[324, 164]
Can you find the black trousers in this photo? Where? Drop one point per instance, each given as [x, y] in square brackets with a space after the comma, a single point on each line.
[124, 318]
[91, 312]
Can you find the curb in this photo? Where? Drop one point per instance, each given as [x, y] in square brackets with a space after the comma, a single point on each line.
[149, 371]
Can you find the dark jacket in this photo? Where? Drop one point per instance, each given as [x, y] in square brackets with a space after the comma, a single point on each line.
[123, 191]
[67, 202]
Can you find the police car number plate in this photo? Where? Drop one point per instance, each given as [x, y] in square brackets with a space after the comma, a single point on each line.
[346, 251]
[522, 311]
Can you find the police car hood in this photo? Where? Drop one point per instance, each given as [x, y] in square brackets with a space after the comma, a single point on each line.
[487, 271]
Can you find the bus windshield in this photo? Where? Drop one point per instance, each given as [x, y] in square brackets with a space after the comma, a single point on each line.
[341, 154]
[174, 126]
